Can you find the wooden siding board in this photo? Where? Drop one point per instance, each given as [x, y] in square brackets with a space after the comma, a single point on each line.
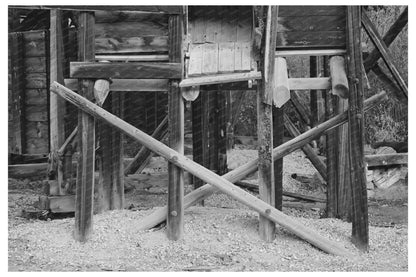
[210, 58]
[226, 57]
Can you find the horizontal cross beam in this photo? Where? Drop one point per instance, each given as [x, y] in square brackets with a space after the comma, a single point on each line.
[122, 70]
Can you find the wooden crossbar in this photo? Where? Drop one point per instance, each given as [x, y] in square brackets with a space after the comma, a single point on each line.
[121, 85]
[203, 173]
[220, 78]
[386, 159]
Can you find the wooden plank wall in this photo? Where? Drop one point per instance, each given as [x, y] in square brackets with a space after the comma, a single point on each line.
[311, 27]
[220, 39]
[36, 72]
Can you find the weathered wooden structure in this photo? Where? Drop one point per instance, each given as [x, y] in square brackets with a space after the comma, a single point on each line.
[143, 61]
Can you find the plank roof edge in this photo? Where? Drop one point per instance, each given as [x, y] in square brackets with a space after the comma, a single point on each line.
[148, 9]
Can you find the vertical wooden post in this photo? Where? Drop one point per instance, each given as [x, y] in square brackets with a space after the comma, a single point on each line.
[222, 108]
[343, 172]
[211, 123]
[278, 135]
[264, 122]
[356, 128]
[86, 135]
[229, 125]
[314, 67]
[331, 151]
[57, 104]
[198, 137]
[104, 164]
[117, 184]
[176, 118]
[16, 48]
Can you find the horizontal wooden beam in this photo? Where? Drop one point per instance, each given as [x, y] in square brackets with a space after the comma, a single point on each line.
[309, 83]
[386, 159]
[203, 173]
[120, 85]
[29, 171]
[122, 70]
[255, 188]
[132, 58]
[220, 78]
[153, 9]
[310, 52]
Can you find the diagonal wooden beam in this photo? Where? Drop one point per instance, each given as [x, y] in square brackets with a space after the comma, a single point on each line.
[384, 51]
[307, 149]
[243, 171]
[395, 29]
[205, 174]
[144, 154]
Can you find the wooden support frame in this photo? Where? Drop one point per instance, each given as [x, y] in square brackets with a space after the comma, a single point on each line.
[356, 129]
[384, 51]
[218, 182]
[343, 192]
[265, 99]
[117, 166]
[331, 141]
[120, 70]
[86, 136]
[243, 171]
[278, 137]
[56, 104]
[176, 118]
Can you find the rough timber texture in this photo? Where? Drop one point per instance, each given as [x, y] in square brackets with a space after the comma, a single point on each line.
[356, 130]
[86, 136]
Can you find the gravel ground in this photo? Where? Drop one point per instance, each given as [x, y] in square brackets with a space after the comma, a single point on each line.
[222, 236]
[215, 240]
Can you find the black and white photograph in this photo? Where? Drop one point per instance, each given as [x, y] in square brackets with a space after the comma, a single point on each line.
[199, 137]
